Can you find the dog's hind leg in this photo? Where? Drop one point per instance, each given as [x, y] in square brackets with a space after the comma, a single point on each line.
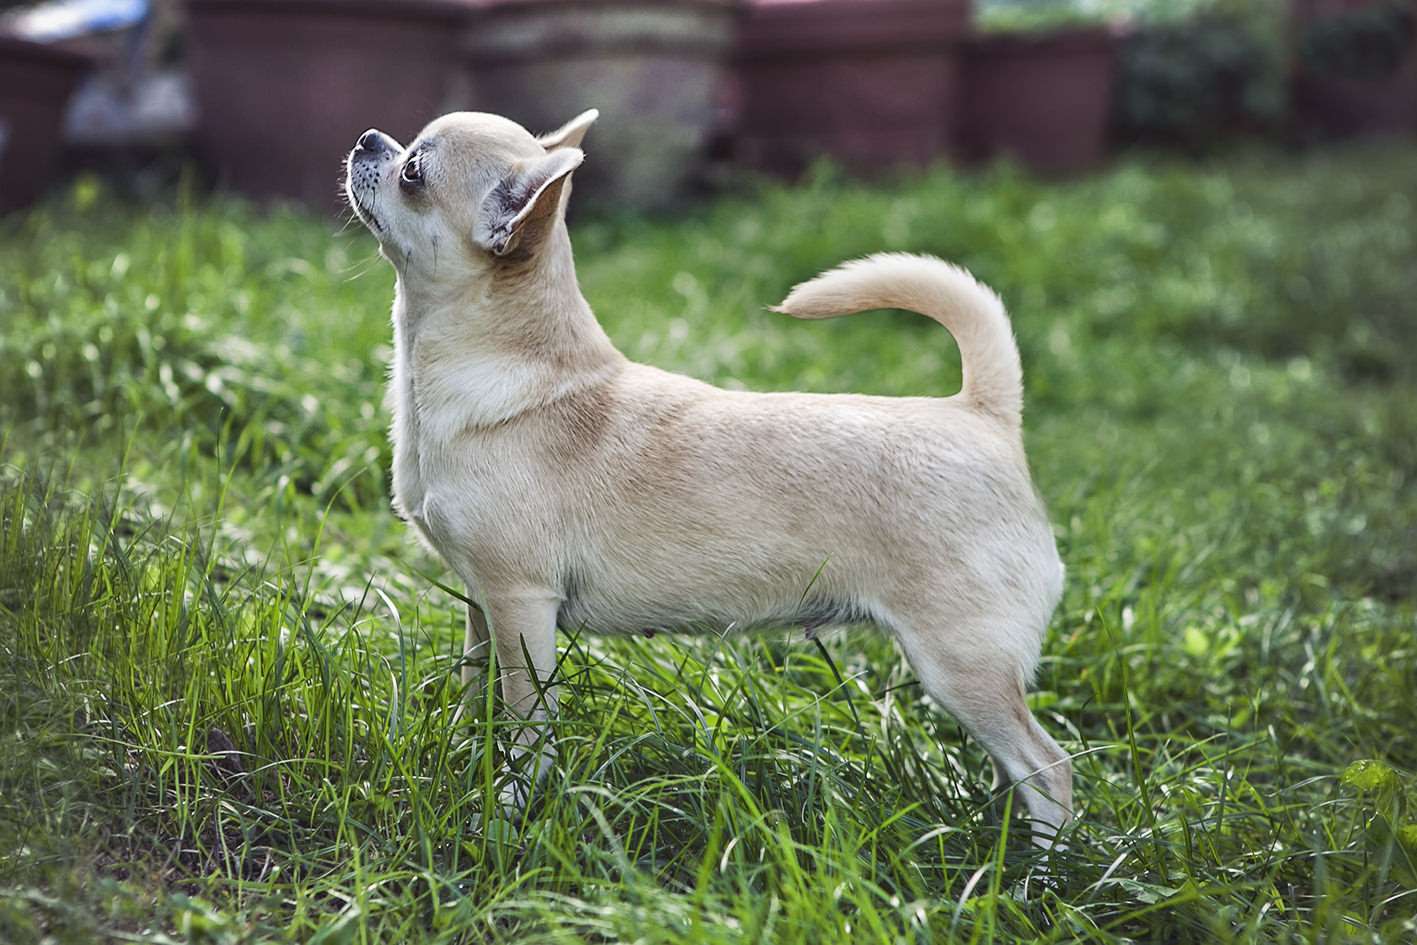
[982, 686]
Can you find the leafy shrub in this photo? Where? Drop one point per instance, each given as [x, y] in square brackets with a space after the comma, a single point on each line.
[1188, 82]
[1368, 43]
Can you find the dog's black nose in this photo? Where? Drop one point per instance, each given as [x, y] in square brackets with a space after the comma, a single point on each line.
[373, 140]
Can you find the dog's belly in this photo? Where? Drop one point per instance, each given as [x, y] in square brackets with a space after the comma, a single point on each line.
[734, 609]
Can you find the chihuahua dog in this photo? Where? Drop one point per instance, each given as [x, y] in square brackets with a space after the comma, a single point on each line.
[570, 487]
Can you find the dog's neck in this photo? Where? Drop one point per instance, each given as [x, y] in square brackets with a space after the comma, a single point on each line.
[478, 354]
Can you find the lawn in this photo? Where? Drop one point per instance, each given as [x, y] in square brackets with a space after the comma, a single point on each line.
[227, 673]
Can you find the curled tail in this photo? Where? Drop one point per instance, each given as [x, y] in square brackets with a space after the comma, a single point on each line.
[974, 315]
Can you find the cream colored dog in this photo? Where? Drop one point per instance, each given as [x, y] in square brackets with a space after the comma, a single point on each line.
[568, 486]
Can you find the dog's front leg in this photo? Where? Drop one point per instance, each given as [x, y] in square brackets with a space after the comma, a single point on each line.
[523, 631]
[475, 647]
[476, 651]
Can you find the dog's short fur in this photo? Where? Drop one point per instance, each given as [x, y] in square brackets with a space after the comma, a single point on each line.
[568, 486]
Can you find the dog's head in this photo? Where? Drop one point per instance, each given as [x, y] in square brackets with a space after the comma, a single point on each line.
[471, 190]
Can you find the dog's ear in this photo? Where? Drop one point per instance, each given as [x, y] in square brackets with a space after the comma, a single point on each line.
[571, 133]
[521, 209]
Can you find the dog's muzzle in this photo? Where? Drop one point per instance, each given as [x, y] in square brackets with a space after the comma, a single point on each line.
[363, 168]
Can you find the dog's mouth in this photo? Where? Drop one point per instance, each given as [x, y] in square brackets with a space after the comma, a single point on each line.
[363, 212]
[362, 193]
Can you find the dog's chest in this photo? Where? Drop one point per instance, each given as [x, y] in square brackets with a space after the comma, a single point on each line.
[434, 401]
[408, 485]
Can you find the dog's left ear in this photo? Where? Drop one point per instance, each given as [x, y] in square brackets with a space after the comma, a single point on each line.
[521, 209]
[571, 133]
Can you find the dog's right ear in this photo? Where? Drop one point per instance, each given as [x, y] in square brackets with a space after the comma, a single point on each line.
[571, 133]
[524, 206]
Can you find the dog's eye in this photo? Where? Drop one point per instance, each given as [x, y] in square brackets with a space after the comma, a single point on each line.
[412, 174]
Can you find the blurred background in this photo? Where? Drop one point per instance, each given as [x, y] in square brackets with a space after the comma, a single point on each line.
[229, 698]
[266, 96]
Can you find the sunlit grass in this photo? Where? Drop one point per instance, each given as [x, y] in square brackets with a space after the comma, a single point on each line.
[228, 676]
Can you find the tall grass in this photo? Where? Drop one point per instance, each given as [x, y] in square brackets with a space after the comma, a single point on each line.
[228, 696]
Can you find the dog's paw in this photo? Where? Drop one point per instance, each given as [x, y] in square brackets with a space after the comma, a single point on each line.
[527, 769]
[513, 798]
[1039, 882]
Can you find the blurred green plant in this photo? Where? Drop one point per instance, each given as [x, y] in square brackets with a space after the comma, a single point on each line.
[1041, 15]
[1368, 42]
[1053, 14]
[1198, 79]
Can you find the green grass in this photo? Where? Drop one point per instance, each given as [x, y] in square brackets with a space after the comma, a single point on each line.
[227, 675]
